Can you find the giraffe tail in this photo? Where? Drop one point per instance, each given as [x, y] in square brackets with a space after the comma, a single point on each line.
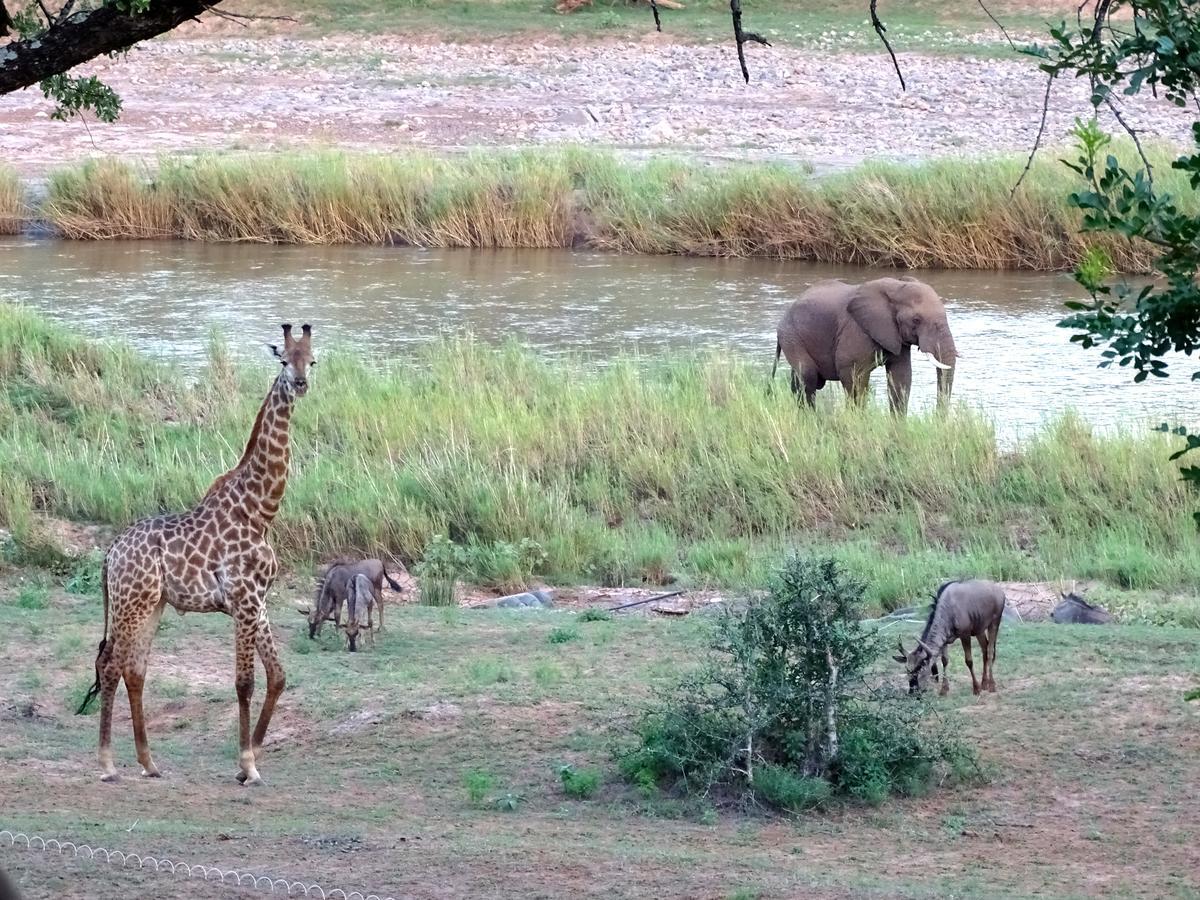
[95, 688]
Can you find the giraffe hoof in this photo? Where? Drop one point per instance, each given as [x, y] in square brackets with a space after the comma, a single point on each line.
[256, 781]
[110, 777]
[151, 772]
[241, 777]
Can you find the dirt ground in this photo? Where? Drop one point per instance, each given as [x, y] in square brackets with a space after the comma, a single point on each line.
[1088, 748]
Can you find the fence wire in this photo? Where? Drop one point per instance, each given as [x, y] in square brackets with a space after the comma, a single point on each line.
[213, 874]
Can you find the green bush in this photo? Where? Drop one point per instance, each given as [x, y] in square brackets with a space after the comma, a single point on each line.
[595, 614]
[781, 712]
[579, 784]
[478, 784]
[784, 789]
[564, 634]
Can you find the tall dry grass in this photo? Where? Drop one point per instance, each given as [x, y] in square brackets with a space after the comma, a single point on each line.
[947, 213]
[13, 209]
[636, 472]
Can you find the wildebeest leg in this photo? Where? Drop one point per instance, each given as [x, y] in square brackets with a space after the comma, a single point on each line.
[993, 635]
[945, 688]
[378, 592]
[985, 647]
[966, 642]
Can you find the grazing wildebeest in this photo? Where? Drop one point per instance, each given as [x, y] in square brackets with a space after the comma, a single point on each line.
[360, 602]
[1074, 610]
[333, 589]
[961, 610]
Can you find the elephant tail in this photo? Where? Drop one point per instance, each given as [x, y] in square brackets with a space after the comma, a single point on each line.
[778, 353]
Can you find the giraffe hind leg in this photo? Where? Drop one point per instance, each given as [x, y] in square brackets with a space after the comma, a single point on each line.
[108, 673]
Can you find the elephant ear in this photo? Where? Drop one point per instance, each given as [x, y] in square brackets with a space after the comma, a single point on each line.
[875, 313]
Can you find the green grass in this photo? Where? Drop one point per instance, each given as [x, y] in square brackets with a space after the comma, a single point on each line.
[953, 26]
[638, 472]
[1101, 709]
[13, 210]
[946, 213]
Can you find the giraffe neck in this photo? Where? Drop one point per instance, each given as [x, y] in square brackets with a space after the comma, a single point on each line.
[254, 487]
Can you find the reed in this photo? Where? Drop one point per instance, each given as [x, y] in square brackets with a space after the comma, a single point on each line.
[945, 213]
[630, 473]
[13, 209]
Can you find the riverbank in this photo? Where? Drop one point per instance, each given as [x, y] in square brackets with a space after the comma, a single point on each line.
[684, 471]
[831, 103]
[938, 214]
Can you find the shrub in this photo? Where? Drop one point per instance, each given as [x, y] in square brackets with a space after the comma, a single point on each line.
[595, 614]
[784, 789]
[579, 784]
[564, 634]
[781, 712]
[478, 784]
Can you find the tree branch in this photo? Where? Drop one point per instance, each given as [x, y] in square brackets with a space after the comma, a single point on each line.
[86, 35]
[879, 30]
[1003, 30]
[735, 7]
[1037, 141]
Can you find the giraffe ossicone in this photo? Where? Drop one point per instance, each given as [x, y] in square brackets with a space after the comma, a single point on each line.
[213, 558]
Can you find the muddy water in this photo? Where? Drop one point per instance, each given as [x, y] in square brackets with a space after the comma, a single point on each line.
[165, 297]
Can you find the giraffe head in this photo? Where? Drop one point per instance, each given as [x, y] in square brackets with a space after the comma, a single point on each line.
[296, 357]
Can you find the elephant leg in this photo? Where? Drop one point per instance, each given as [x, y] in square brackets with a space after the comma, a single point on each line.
[899, 379]
[805, 376]
[856, 379]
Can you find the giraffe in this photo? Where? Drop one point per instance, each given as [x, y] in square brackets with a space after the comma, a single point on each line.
[213, 558]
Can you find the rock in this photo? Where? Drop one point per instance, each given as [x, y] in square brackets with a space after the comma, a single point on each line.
[437, 711]
[539, 599]
[1074, 610]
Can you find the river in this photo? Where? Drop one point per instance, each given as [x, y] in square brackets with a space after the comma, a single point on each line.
[165, 297]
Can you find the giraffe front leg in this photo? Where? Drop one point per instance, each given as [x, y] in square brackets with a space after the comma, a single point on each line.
[264, 642]
[245, 633]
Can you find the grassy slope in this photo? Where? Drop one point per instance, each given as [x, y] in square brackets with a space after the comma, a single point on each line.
[920, 25]
[947, 213]
[634, 473]
[1090, 748]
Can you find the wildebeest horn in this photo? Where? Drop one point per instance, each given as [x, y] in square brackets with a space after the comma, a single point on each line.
[925, 647]
[900, 646]
[303, 610]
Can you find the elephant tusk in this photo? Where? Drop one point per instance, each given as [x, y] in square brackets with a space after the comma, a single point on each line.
[940, 365]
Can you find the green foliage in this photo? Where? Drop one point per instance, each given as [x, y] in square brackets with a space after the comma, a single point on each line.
[563, 634]
[783, 788]
[74, 95]
[782, 706]
[579, 784]
[85, 576]
[1137, 325]
[595, 614]
[32, 595]
[509, 802]
[478, 785]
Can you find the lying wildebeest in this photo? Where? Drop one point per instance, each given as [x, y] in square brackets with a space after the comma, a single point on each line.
[1074, 610]
[961, 610]
[360, 603]
[333, 590]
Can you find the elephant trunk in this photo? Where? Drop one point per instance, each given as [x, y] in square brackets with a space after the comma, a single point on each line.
[939, 344]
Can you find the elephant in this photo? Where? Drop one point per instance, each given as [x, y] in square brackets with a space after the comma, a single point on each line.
[843, 331]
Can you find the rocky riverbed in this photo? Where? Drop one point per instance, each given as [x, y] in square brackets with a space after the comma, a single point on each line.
[385, 93]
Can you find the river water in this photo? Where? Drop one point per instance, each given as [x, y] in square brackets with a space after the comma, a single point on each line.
[164, 297]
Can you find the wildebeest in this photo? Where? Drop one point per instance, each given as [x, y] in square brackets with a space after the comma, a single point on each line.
[360, 603]
[961, 610]
[1074, 610]
[333, 589]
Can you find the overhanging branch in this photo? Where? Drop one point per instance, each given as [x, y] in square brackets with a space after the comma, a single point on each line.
[86, 35]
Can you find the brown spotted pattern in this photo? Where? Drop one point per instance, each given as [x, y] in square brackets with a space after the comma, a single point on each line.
[213, 558]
